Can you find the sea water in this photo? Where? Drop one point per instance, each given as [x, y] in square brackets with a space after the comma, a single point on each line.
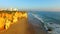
[50, 19]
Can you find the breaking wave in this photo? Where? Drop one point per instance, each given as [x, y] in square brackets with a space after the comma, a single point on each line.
[49, 24]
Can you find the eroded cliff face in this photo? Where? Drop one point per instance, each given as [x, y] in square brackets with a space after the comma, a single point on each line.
[9, 18]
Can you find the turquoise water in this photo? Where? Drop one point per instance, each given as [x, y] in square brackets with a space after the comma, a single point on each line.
[51, 20]
[48, 16]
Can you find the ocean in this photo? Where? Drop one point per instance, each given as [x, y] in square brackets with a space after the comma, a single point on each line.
[49, 20]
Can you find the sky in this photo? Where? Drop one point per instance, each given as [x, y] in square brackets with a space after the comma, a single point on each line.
[31, 4]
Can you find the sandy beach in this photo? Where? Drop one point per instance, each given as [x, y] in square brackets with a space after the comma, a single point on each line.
[23, 26]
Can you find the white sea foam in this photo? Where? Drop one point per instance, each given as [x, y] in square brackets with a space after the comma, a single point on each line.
[36, 16]
[55, 27]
